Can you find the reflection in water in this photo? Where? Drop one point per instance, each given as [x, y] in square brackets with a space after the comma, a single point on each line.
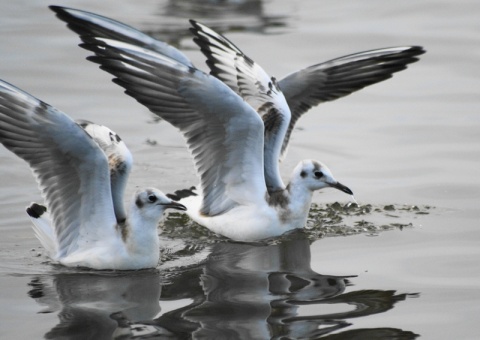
[221, 15]
[247, 291]
[98, 305]
[242, 291]
[215, 8]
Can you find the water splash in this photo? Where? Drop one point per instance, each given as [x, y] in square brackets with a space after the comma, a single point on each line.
[354, 200]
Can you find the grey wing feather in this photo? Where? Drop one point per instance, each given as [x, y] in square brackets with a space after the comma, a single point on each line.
[340, 77]
[72, 172]
[89, 24]
[233, 67]
[120, 162]
[224, 135]
[249, 80]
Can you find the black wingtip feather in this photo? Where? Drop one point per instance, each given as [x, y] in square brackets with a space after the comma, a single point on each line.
[36, 210]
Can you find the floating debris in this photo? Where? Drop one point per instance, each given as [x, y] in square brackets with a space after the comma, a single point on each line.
[342, 220]
[151, 142]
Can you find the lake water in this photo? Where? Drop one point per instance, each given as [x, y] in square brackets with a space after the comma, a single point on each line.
[411, 143]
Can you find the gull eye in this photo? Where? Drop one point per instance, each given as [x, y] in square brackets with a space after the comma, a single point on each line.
[152, 198]
[318, 174]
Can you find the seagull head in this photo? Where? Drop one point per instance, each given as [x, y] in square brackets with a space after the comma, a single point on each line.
[152, 203]
[315, 175]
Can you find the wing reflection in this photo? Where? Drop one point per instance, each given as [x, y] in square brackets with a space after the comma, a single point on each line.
[221, 15]
[97, 305]
[247, 291]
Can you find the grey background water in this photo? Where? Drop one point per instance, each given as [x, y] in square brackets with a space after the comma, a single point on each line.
[412, 140]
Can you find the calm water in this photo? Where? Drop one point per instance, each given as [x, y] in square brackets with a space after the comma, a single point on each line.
[412, 140]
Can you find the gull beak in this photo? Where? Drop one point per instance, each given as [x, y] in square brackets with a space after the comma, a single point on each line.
[175, 205]
[341, 187]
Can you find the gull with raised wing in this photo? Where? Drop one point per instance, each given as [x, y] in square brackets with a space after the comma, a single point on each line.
[282, 103]
[224, 134]
[82, 174]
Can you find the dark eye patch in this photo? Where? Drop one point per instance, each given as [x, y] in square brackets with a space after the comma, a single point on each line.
[318, 174]
[152, 198]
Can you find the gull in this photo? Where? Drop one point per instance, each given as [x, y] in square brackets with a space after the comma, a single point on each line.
[81, 173]
[224, 134]
[280, 103]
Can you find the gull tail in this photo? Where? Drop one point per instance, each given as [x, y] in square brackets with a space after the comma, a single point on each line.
[42, 225]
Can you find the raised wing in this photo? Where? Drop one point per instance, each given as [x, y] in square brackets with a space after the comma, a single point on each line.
[229, 64]
[70, 168]
[224, 134]
[89, 24]
[305, 88]
[340, 77]
[120, 162]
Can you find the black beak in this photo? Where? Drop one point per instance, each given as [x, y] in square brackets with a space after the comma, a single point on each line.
[342, 187]
[175, 205]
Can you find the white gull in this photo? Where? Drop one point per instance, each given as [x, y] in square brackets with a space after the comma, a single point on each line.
[224, 134]
[82, 180]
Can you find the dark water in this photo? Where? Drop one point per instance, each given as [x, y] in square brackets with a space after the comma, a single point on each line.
[410, 142]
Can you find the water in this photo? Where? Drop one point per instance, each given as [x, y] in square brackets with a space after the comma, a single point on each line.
[410, 141]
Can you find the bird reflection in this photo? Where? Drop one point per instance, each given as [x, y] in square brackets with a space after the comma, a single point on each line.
[241, 291]
[221, 15]
[257, 291]
[98, 305]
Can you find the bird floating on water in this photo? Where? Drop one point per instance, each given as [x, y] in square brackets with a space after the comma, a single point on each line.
[82, 171]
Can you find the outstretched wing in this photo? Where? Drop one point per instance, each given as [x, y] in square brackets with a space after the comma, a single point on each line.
[120, 162]
[89, 24]
[229, 64]
[70, 168]
[305, 88]
[224, 134]
[248, 79]
[340, 77]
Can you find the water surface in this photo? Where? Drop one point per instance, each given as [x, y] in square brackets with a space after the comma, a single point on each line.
[413, 140]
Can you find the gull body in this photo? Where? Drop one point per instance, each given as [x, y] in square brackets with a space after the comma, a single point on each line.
[255, 218]
[81, 174]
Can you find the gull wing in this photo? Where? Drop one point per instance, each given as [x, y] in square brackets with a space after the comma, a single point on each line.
[70, 168]
[249, 80]
[120, 162]
[89, 24]
[229, 64]
[223, 133]
[302, 89]
[340, 77]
